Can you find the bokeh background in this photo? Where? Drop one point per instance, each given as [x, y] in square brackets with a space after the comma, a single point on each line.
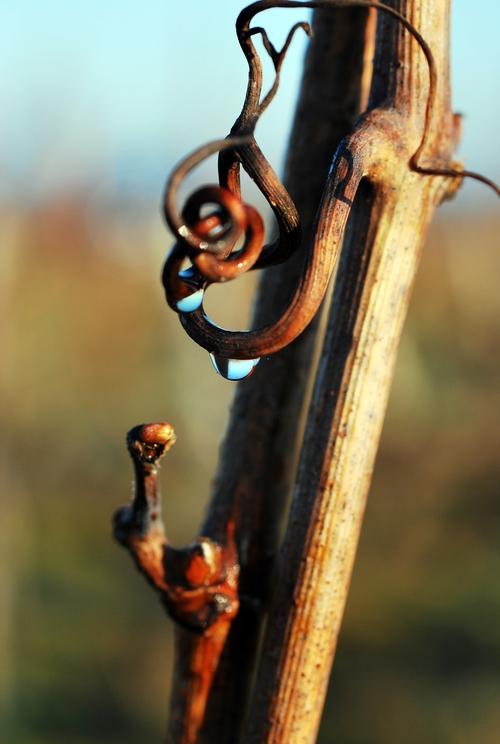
[98, 100]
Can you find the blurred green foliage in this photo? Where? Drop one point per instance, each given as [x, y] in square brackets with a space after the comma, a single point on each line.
[90, 349]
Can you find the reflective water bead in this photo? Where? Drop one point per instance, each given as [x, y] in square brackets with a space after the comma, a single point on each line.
[233, 369]
[190, 303]
[193, 301]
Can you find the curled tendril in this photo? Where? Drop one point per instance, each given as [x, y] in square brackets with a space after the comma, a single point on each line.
[215, 218]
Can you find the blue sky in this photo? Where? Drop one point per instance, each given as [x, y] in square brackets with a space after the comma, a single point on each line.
[109, 93]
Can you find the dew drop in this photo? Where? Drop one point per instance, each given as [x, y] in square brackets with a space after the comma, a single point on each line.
[233, 369]
[190, 303]
[193, 301]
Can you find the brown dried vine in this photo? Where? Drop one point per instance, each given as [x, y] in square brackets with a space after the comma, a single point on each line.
[199, 584]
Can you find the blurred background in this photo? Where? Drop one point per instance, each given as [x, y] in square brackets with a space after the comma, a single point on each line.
[98, 101]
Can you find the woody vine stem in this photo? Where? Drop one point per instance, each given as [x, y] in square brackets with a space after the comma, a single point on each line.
[398, 153]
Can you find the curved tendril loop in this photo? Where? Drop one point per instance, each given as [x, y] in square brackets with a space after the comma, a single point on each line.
[277, 58]
[214, 218]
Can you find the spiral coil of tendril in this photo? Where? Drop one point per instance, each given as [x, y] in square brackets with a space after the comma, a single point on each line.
[217, 234]
[215, 260]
